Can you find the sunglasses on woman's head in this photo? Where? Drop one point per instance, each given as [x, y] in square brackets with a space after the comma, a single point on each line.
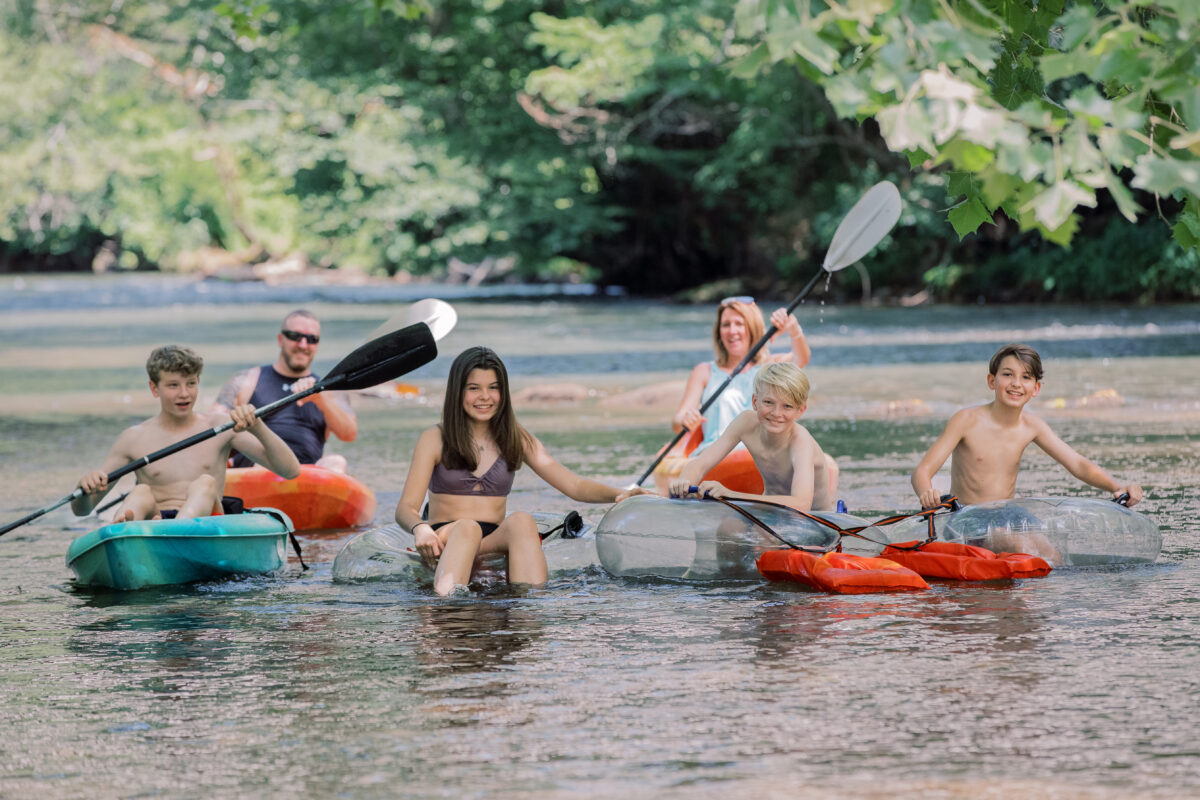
[295, 336]
[745, 299]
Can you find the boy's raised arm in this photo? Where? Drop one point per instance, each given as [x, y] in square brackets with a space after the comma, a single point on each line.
[698, 466]
[1080, 466]
[262, 445]
[935, 457]
[95, 483]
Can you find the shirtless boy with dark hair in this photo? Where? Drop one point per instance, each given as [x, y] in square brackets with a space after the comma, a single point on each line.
[985, 442]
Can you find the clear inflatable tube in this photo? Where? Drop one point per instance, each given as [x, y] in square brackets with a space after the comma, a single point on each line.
[1065, 531]
[703, 540]
[387, 553]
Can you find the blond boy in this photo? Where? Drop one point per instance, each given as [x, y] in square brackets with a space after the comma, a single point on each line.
[188, 483]
[795, 470]
[985, 442]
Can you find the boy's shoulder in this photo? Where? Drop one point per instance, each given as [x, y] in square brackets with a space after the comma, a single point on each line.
[970, 415]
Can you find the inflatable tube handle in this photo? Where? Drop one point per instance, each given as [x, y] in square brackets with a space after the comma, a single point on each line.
[1122, 499]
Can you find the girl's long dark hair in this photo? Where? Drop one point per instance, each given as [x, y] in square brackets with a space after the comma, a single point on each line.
[458, 451]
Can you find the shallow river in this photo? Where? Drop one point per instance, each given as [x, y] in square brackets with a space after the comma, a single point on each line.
[1080, 684]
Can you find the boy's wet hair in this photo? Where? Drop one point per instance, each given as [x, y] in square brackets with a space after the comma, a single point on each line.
[1024, 353]
[788, 381]
[173, 358]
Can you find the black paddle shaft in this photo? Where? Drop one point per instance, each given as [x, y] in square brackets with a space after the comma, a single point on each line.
[759, 345]
[379, 360]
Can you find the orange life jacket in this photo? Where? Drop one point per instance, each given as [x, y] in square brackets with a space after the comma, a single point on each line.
[964, 562]
[838, 572]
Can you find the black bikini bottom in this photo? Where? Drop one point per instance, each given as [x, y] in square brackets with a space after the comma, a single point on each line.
[486, 527]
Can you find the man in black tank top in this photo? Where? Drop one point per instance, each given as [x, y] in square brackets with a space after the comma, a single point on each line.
[306, 424]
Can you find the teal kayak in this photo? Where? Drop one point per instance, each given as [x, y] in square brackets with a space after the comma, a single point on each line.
[136, 555]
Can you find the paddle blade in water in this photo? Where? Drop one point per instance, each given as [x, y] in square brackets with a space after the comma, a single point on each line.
[384, 359]
[868, 221]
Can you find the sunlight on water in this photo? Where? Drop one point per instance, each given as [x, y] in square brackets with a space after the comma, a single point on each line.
[1074, 685]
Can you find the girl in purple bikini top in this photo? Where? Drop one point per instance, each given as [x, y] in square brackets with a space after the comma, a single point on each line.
[496, 482]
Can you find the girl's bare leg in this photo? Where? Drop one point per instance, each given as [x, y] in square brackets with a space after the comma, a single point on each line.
[518, 537]
[458, 555]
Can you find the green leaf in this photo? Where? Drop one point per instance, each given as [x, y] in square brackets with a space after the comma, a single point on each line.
[1079, 153]
[960, 183]
[967, 216]
[966, 155]
[907, 127]
[1166, 175]
[1062, 235]
[1128, 207]
[809, 46]
[1184, 234]
[1080, 24]
[1053, 207]
[751, 64]
[997, 187]
[1187, 12]
[1056, 66]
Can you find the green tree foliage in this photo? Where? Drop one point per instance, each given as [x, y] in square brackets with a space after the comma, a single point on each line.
[343, 131]
[1033, 106]
[657, 144]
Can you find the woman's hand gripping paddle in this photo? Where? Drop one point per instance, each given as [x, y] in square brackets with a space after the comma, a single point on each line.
[868, 221]
[382, 359]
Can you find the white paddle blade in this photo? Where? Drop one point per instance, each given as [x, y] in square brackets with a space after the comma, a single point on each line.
[439, 315]
[869, 221]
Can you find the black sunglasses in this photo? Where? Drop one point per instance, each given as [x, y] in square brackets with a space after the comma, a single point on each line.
[295, 336]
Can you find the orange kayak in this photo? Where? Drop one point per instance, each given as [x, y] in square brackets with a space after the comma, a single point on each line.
[736, 471]
[318, 498]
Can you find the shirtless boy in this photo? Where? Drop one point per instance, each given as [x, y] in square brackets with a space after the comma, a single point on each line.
[188, 483]
[793, 466]
[985, 442]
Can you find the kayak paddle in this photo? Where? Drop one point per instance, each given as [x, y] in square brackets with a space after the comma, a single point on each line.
[439, 315]
[867, 222]
[381, 359]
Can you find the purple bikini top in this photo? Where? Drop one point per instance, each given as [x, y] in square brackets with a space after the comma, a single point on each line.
[496, 482]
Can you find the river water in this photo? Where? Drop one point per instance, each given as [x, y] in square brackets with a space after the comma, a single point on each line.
[1080, 684]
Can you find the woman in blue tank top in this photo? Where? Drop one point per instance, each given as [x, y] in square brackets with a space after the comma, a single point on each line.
[738, 327]
[466, 465]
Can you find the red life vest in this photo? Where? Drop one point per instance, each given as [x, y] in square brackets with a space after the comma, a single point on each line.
[964, 562]
[838, 572]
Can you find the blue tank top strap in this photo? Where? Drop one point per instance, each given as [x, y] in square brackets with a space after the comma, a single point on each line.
[301, 427]
[733, 401]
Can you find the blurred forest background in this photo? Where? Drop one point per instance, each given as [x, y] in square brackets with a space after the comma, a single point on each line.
[1047, 150]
